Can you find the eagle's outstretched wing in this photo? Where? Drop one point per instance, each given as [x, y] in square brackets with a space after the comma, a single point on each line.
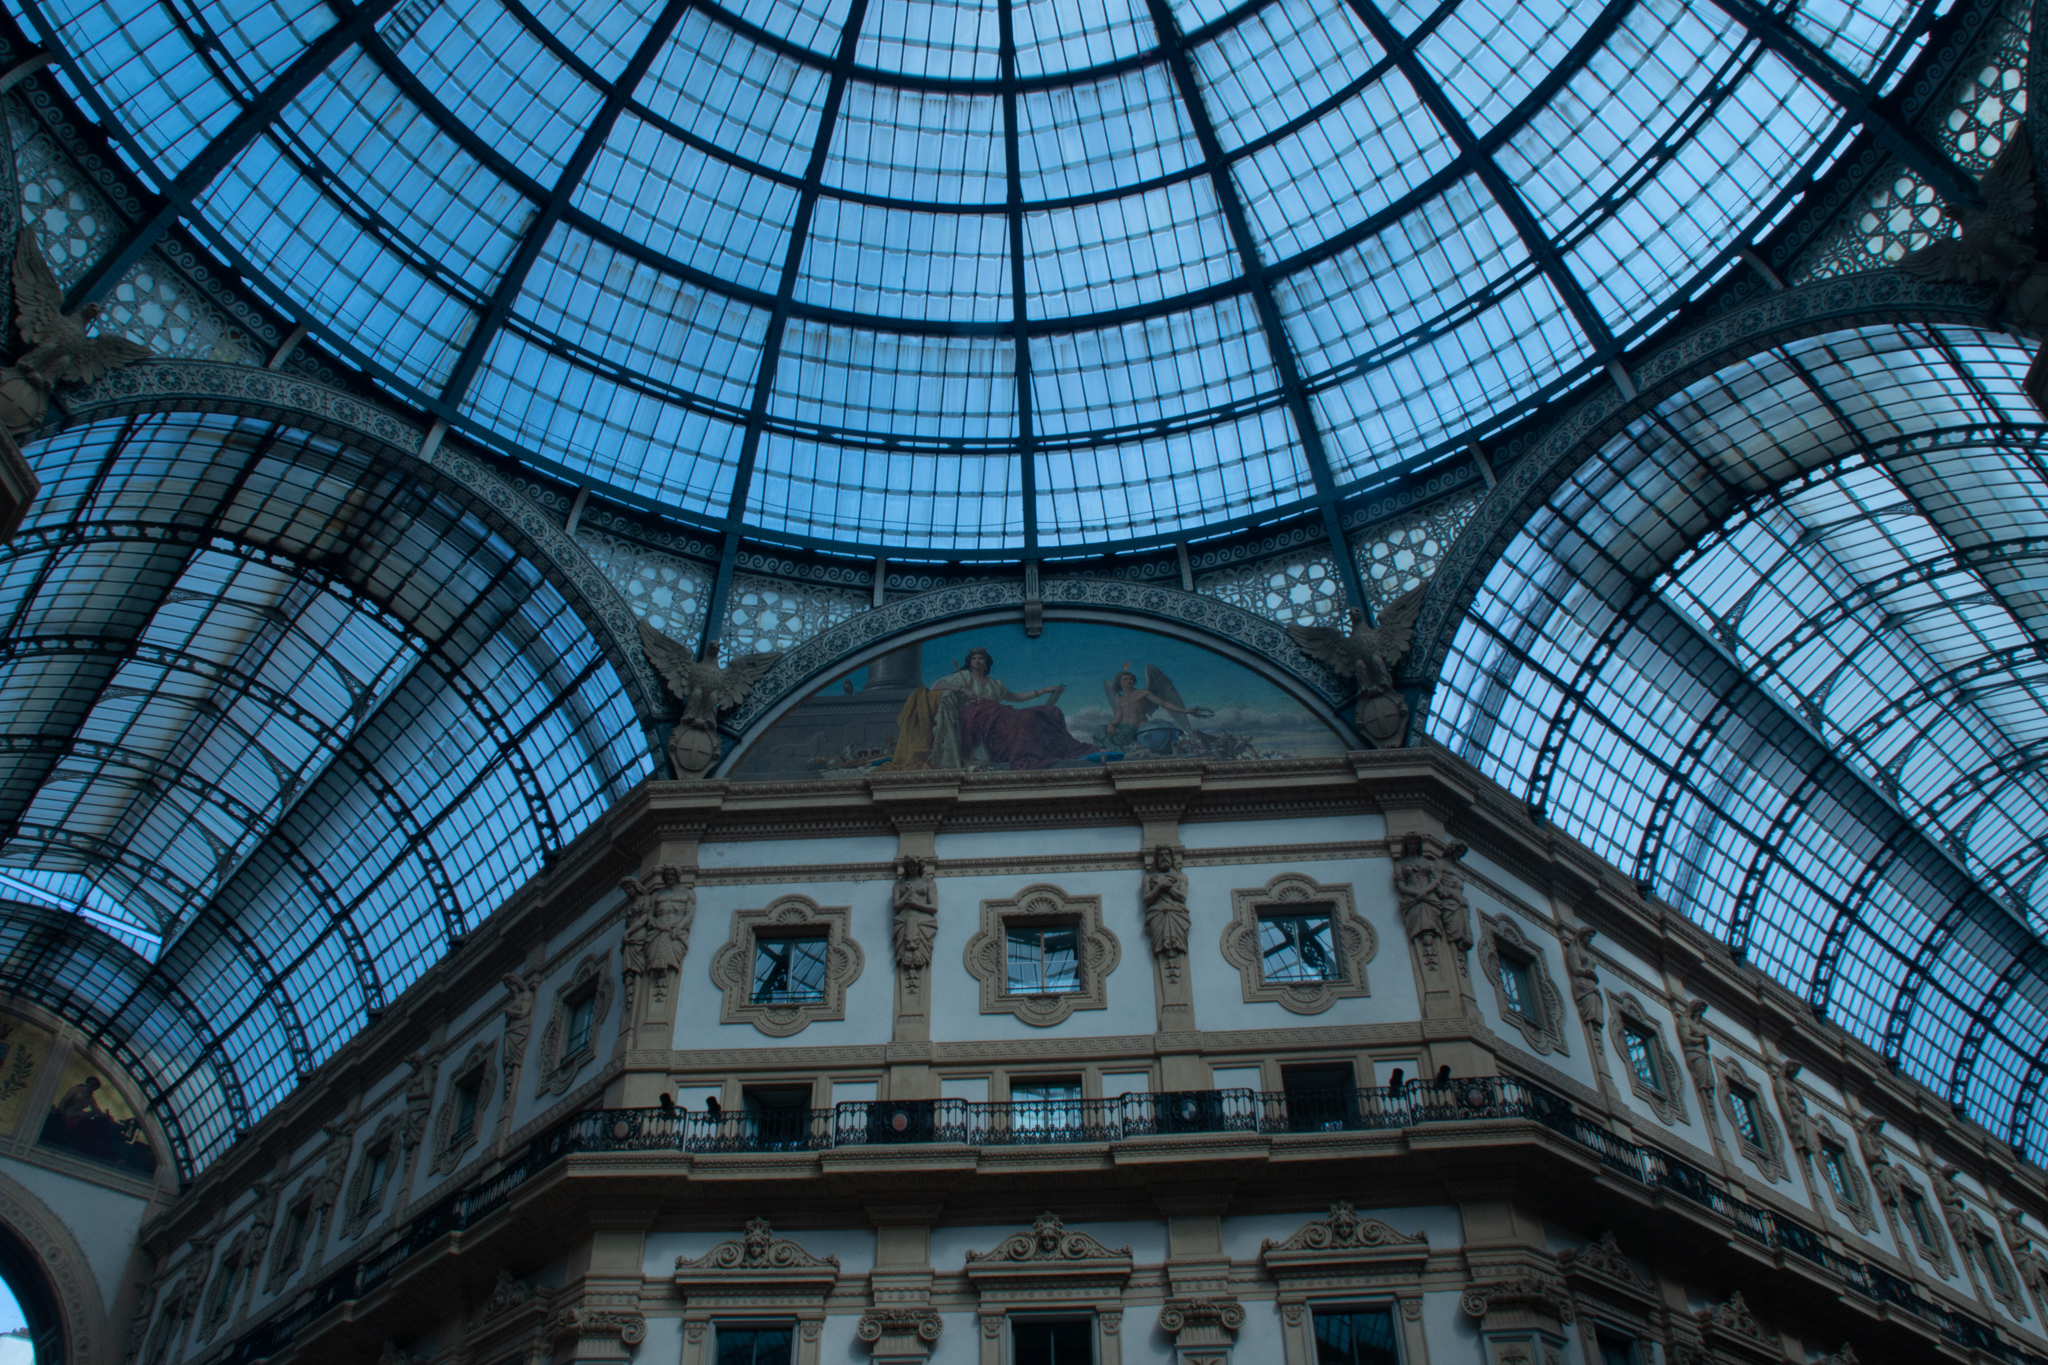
[1332, 647]
[674, 662]
[38, 298]
[741, 674]
[1950, 258]
[1396, 630]
[106, 352]
[2008, 190]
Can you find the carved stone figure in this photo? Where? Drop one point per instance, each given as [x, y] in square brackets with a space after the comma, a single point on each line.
[1695, 1042]
[419, 1101]
[1955, 1211]
[916, 927]
[1878, 1161]
[1165, 895]
[1791, 1103]
[2026, 1257]
[64, 353]
[1585, 975]
[507, 1294]
[1431, 892]
[658, 918]
[324, 1188]
[1369, 654]
[261, 1221]
[518, 1024]
[145, 1308]
[705, 689]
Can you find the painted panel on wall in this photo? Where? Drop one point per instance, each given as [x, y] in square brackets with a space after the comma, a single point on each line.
[995, 699]
[23, 1050]
[91, 1119]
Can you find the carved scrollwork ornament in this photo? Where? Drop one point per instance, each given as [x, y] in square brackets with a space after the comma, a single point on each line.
[1180, 1314]
[1345, 1228]
[1048, 1240]
[1532, 1293]
[878, 1322]
[629, 1327]
[507, 1294]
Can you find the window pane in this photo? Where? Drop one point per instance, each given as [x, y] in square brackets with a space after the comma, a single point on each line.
[789, 970]
[1297, 948]
[1044, 960]
[1355, 1337]
[1643, 1058]
[1054, 1343]
[1745, 1118]
[1045, 1105]
[754, 1346]
[581, 1014]
[1514, 984]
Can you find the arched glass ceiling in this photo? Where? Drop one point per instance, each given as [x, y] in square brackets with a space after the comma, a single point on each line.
[988, 275]
[1780, 649]
[283, 722]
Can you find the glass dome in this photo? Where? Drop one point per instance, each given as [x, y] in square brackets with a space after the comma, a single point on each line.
[988, 278]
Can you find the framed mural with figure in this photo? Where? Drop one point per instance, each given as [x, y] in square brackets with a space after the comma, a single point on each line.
[90, 1117]
[994, 699]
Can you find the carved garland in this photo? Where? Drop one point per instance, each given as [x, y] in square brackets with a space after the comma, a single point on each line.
[1352, 938]
[732, 966]
[479, 1065]
[1630, 1014]
[1502, 937]
[592, 977]
[987, 959]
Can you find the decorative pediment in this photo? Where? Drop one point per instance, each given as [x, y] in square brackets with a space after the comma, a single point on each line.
[1344, 1243]
[1731, 1330]
[1521, 1298]
[756, 1269]
[1048, 1262]
[1606, 1267]
[507, 1294]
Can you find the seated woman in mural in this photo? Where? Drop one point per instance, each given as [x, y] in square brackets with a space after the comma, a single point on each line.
[962, 720]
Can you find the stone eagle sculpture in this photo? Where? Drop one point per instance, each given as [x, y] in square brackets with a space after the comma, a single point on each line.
[705, 689]
[63, 351]
[1369, 654]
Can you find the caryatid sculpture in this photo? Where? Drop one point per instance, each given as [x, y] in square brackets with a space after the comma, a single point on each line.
[657, 937]
[1697, 1044]
[518, 1024]
[1165, 894]
[915, 900]
[1585, 975]
[1431, 892]
[705, 689]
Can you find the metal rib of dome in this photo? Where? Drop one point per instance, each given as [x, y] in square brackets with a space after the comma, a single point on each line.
[1780, 649]
[1010, 278]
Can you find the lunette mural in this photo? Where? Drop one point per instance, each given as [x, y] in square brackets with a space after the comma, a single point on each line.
[992, 698]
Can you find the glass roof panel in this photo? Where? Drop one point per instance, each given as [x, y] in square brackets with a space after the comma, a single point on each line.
[947, 38]
[496, 77]
[1119, 253]
[1163, 370]
[1824, 715]
[1140, 488]
[710, 82]
[896, 263]
[1100, 137]
[1859, 34]
[602, 35]
[1058, 35]
[1278, 63]
[925, 498]
[1488, 55]
[906, 144]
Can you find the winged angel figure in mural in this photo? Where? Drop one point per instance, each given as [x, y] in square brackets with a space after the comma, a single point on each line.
[64, 353]
[705, 689]
[1995, 245]
[1369, 654]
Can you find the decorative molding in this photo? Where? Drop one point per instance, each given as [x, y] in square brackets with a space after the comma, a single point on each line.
[1668, 1103]
[1857, 1205]
[1353, 940]
[1177, 1315]
[1097, 954]
[278, 395]
[1532, 1295]
[1731, 1330]
[755, 1274]
[1325, 1251]
[922, 1323]
[88, 1333]
[1770, 1156]
[791, 916]
[1501, 937]
[360, 1207]
[480, 1062]
[507, 1294]
[578, 1326]
[593, 977]
[1048, 1240]
[1608, 1266]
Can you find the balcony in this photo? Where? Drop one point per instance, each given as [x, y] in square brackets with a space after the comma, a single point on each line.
[985, 1124]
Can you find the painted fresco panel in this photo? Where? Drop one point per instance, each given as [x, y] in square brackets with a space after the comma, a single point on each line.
[1080, 694]
[90, 1118]
[23, 1050]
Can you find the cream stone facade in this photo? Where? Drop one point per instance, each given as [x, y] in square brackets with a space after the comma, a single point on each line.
[1216, 1170]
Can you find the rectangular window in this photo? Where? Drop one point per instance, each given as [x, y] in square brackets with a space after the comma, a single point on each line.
[1067, 1342]
[756, 1345]
[1355, 1336]
[781, 1117]
[1517, 986]
[1043, 1106]
[790, 971]
[1298, 947]
[1044, 959]
[1923, 1226]
[1833, 1164]
[373, 1183]
[295, 1234]
[582, 1014]
[1320, 1098]
[1642, 1057]
[1616, 1348]
[1995, 1264]
[223, 1293]
[1744, 1105]
[467, 1092]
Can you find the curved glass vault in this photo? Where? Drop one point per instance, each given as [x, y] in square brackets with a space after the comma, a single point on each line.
[281, 725]
[1779, 648]
[977, 275]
